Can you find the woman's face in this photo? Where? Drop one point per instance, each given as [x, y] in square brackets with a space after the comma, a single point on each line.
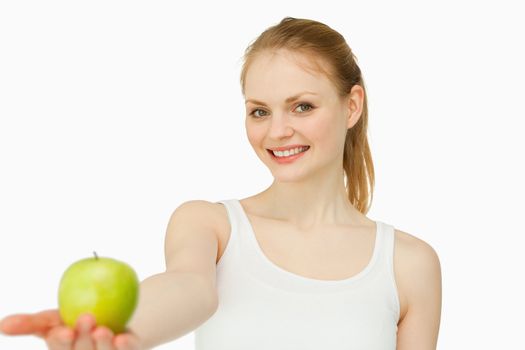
[316, 117]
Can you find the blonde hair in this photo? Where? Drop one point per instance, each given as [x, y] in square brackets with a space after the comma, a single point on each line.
[317, 40]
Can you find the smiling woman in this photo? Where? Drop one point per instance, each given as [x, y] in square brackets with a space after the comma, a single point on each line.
[298, 265]
[277, 103]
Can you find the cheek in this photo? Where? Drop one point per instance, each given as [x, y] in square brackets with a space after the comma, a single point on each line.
[254, 134]
[323, 134]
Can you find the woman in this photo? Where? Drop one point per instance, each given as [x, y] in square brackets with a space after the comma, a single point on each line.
[298, 265]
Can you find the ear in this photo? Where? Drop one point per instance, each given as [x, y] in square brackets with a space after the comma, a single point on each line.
[355, 101]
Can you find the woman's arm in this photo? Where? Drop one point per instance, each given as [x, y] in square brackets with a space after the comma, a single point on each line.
[421, 280]
[171, 304]
[174, 303]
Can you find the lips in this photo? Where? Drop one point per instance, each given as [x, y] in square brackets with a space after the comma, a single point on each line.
[287, 159]
[287, 148]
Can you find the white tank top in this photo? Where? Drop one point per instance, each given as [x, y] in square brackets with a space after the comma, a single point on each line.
[264, 307]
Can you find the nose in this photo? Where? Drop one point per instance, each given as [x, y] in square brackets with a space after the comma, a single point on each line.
[280, 126]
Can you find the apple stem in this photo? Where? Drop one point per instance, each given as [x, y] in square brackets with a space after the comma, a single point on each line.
[96, 256]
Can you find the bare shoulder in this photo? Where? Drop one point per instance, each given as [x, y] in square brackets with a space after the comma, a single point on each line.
[214, 214]
[209, 213]
[418, 276]
[191, 243]
[413, 248]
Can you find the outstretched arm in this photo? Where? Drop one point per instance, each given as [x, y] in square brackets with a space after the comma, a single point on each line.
[171, 303]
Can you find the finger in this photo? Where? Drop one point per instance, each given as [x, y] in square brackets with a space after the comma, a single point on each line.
[60, 338]
[38, 323]
[126, 341]
[103, 338]
[83, 327]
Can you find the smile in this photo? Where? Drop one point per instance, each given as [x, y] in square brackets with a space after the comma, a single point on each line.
[287, 156]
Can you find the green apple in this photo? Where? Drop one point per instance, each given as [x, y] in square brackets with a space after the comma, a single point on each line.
[104, 287]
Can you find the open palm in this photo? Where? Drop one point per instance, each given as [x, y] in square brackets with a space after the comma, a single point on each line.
[86, 335]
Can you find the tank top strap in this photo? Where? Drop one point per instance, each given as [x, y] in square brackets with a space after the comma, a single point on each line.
[236, 226]
[233, 213]
[387, 244]
[387, 263]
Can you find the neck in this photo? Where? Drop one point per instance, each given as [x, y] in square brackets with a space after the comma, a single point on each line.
[312, 203]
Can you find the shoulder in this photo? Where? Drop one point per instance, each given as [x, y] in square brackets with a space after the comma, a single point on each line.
[208, 213]
[196, 204]
[414, 249]
[418, 272]
[203, 209]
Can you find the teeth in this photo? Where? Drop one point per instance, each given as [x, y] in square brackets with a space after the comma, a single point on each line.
[289, 152]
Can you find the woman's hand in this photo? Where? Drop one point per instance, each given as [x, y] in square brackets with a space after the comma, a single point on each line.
[85, 336]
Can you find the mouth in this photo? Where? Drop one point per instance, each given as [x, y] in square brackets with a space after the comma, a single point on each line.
[283, 155]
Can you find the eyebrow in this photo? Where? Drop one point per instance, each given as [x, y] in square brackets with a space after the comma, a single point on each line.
[288, 100]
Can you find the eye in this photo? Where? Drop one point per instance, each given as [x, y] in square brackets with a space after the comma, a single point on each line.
[253, 113]
[304, 107]
[310, 107]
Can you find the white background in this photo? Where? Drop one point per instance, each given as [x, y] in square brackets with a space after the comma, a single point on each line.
[113, 113]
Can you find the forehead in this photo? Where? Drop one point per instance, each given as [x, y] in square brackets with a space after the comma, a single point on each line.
[280, 74]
